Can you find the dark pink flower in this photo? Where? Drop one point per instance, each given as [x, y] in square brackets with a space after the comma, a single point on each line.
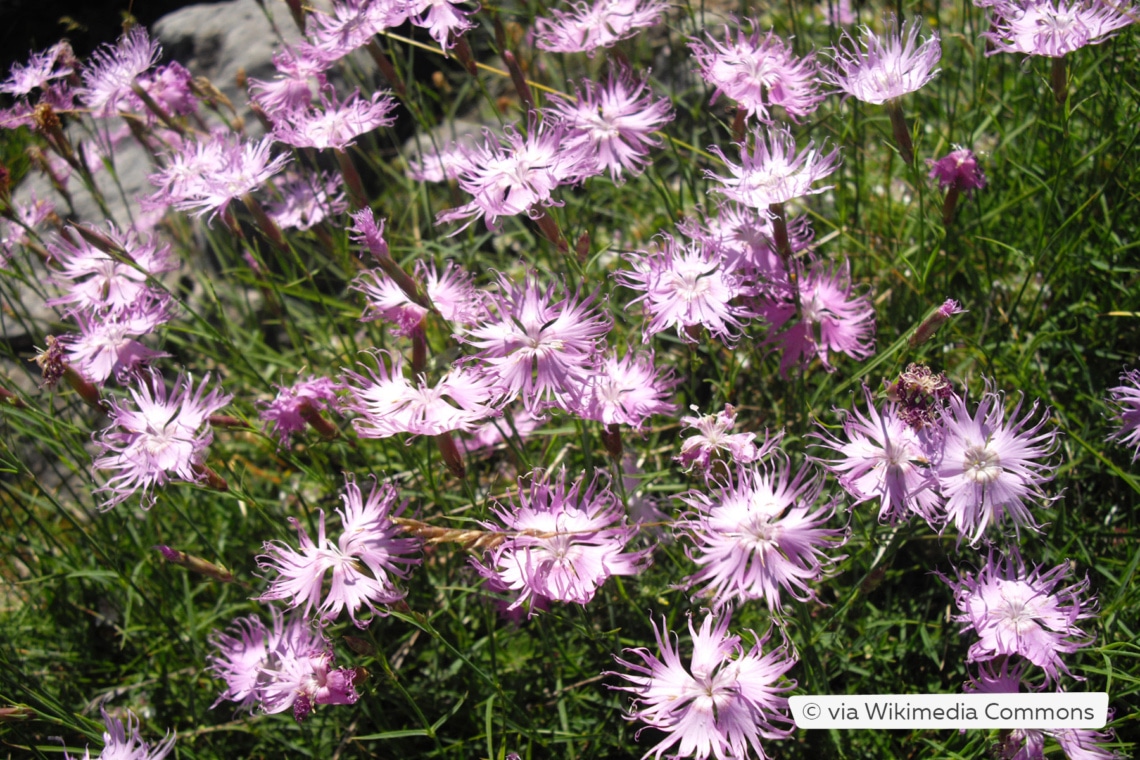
[284, 413]
[722, 704]
[958, 169]
[364, 563]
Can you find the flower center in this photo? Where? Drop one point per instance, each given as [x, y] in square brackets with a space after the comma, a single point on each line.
[982, 464]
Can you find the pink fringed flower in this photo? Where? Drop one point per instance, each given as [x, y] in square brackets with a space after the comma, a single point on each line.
[883, 458]
[288, 665]
[714, 440]
[759, 73]
[722, 704]
[561, 544]
[831, 319]
[625, 391]
[535, 346]
[589, 27]
[364, 562]
[113, 68]
[758, 536]
[106, 345]
[611, 125]
[513, 174]
[876, 71]
[306, 200]
[122, 742]
[988, 467]
[1054, 28]
[774, 172]
[390, 404]
[162, 437]
[335, 124]
[1125, 398]
[1014, 612]
[688, 286]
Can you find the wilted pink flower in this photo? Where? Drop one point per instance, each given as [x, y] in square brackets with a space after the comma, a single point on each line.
[1125, 400]
[306, 200]
[958, 169]
[774, 172]
[831, 318]
[759, 73]
[884, 70]
[535, 346]
[611, 125]
[713, 438]
[589, 27]
[758, 535]
[335, 124]
[561, 544]
[882, 457]
[162, 436]
[364, 562]
[288, 665]
[625, 391]
[688, 286]
[390, 404]
[930, 325]
[722, 704]
[920, 394]
[113, 68]
[1054, 28]
[1014, 612]
[988, 468]
[122, 742]
[513, 174]
[286, 413]
[170, 88]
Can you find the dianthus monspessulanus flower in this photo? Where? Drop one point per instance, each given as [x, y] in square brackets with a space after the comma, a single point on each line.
[688, 286]
[287, 665]
[1125, 400]
[1015, 612]
[988, 467]
[774, 172]
[534, 346]
[161, 436]
[759, 72]
[1054, 28]
[122, 741]
[882, 457]
[390, 404]
[722, 704]
[112, 69]
[513, 174]
[365, 561]
[758, 535]
[625, 391]
[589, 27]
[831, 318]
[561, 544]
[335, 124]
[713, 437]
[611, 125]
[881, 71]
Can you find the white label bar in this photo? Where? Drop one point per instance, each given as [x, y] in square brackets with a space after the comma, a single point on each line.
[906, 711]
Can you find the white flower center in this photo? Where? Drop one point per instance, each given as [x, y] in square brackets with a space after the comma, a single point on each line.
[982, 464]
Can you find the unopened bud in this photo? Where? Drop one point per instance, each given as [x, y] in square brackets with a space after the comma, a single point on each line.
[196, 564]
[930, 325]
